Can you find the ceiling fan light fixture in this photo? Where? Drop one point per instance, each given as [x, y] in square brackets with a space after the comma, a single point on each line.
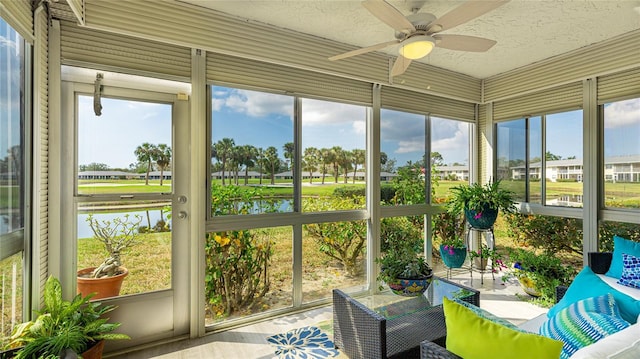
[417, 47]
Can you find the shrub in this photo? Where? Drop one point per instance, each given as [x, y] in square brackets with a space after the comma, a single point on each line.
[387, 193]
[233, 199]
[237, 271]
[342, 241]
[608, 229]
[349, 191]
[551, 234]
[396, 232]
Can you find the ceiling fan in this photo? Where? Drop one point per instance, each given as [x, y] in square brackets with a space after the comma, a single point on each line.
[418, 33]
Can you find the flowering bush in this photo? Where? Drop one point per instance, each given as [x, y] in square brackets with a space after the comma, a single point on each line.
[237, 265]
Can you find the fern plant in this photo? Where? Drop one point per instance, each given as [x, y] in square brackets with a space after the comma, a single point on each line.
[63, 325]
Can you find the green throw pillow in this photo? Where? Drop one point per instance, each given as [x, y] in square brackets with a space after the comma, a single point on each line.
[472, 337]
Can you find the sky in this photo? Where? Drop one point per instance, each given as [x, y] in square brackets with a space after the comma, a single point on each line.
[264, 119]
[9, 88]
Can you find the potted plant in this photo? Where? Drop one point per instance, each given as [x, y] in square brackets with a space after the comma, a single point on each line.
[538, 273]
[405, 272]
[481, 203]
[118, 235]
[482, 255]
[65, 328]
[449, 228]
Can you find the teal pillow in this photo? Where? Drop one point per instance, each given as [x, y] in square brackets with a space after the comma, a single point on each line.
[621, 245]
[587, 284]
[583, 323]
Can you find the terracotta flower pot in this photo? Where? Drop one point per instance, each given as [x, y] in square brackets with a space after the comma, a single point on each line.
[104, 287]
[95, 352]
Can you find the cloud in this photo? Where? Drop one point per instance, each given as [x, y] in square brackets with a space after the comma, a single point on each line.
[252, 103]
[623, 113]
[409, 146]
[322, 113]
[449, 135]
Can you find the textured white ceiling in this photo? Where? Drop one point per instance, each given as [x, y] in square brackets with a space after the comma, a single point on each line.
[527, 31]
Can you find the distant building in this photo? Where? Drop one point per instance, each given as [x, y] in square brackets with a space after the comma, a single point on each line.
[616, 169]
[461, 173]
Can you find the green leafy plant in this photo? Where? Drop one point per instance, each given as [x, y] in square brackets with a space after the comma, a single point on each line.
[237, 277]
[489, 253]
[541, 271]
[449, 228]
[402, 262]
[476, 197]
[63, 325]
[116, 236]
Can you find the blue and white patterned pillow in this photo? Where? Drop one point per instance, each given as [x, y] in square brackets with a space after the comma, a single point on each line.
[583, 323]
[630, 271]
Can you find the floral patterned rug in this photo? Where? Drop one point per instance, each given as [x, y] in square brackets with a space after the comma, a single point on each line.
[304, 343]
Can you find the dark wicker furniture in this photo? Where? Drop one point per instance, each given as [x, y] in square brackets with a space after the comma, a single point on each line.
[599, 263]
[362, 332]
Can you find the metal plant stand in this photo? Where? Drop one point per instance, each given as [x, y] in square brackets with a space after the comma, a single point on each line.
[489, 239]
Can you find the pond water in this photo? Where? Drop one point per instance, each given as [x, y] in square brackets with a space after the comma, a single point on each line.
[151, 216]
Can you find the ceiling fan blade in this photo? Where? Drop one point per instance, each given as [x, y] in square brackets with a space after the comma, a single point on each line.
[463, 43]
[389, 15]
[364, 50]
[463, 13]
[400, 66]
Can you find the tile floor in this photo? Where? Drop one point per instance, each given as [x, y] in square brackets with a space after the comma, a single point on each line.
[249, 342]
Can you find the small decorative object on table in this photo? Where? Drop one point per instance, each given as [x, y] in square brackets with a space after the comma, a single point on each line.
[405, 272]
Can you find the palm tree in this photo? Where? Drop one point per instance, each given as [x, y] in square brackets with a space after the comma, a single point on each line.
[326, 159]
[344, 160]
[272, 160]
[145, 153]
[223, 150]
[289, 149]
[358, 157]
[336, 153]
[163, 158]
[248, 156]
[260, 160]
[311, 159]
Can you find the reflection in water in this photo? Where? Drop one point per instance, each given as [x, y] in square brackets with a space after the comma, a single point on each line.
[566, 200]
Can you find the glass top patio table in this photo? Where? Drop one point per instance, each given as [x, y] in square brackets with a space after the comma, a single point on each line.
[392, 306]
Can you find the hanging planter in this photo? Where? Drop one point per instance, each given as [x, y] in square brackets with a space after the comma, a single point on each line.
[453, 257]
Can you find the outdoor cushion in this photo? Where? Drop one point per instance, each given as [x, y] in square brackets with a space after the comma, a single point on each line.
[584, 323]
[614, 343]
[472, 337]
[630, 271]
[487, 315]
[587, 284]
[621, 245]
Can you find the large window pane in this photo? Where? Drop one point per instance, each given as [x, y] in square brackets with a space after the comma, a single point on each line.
[333, 151]
[449, 155]
[13, 185]
[402, 156]
[251, 151]
[535, 160]
[511, 156]
[248, 272]
[112, 160]
[622, 154]
[564, 159]
[148, 255]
